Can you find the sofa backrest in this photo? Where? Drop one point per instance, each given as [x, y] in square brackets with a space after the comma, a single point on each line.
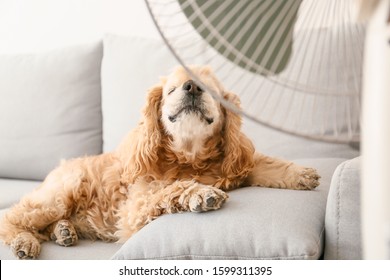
[83, 100]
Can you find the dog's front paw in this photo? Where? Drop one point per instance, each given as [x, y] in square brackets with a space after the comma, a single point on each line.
[203, 198]
[64, 233]
[307, 178]
[26, 246]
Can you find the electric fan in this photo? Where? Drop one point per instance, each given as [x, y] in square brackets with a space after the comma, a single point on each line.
[296, 65]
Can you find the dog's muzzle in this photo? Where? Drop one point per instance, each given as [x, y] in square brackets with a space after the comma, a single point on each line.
[192, 102]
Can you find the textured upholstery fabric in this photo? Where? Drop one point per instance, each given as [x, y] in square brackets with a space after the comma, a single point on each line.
[343, 233]
[50, 109]
[255, 223]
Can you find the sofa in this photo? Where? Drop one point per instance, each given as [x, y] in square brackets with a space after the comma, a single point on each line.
[81, 100]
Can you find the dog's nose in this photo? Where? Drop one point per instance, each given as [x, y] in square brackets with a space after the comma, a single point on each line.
[191, 88]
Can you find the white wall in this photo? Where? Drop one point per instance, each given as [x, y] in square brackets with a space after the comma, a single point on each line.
[34, 25]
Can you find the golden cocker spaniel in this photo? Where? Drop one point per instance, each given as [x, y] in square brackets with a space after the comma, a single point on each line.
[184, 155]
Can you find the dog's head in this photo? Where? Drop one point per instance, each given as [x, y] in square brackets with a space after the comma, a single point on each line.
[187, 114]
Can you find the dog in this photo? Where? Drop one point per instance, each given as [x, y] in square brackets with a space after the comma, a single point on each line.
[184, 155]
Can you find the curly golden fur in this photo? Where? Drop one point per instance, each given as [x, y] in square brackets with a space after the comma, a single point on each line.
[184, 155]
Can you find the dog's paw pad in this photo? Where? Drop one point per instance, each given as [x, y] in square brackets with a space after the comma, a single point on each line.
[206, 198]
[21, 254]
[68, 241]
[308, 179]
[25, 246]
[64, 233]
[210, 201]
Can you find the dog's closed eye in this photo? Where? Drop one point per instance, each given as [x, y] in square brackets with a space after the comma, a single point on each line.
[172, 89]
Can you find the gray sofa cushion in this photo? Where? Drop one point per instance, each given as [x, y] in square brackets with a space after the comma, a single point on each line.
[342, 221]
[50, 109]
[255, 223]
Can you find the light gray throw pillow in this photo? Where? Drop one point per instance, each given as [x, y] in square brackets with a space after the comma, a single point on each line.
[50, 109]
[255, 223]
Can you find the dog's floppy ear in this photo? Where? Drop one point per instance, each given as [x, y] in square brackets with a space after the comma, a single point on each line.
[238, 149]
[152, 109]
[150, 138]
[139, 150]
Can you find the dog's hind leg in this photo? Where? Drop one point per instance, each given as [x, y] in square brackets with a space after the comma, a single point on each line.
[24, 226]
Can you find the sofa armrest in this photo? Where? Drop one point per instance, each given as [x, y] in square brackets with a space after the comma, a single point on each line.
[342, 218]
